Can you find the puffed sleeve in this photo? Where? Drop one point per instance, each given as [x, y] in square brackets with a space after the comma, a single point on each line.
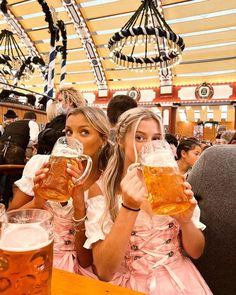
[97, 224]
[25, 183]
[196, 218]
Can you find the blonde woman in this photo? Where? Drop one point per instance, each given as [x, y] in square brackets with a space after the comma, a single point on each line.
[131, 246]
[90, 126]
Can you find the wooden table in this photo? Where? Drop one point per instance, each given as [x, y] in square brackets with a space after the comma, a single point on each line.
[11, 169]
[66, 283]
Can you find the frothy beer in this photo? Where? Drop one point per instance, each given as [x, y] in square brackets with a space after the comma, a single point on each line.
[164, 185]
[25, 260]
[58, 184]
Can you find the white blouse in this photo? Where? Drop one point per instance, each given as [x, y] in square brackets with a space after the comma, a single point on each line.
[25, 183]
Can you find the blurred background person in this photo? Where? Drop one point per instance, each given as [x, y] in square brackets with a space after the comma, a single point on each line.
[213, 181]
[67, 99]
[117, 106]
[8, 118]
[205, 144]
[188, 152]
[226, 136]
[233, 139]
[173, 142]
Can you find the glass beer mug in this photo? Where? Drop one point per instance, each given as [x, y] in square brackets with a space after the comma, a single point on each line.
[58, 185]
[162, 178]
[26, 252]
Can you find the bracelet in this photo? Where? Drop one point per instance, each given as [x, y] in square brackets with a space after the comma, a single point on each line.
[131, 209]
[78, 222]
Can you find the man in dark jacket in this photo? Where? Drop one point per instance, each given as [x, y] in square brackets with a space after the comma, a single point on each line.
[213, 180]
[16, 137]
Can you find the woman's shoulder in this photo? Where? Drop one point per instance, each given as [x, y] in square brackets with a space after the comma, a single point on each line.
[94, 190]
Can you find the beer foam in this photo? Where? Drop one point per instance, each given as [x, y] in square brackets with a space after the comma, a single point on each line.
[159, 159]
[67, 153]
[23, 237]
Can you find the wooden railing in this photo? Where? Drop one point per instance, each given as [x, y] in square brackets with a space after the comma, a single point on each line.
[20, 109]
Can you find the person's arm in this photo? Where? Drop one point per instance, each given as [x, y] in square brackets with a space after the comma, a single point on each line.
[33, 132]
[109, 253]
[192, 239]
[19, 199]
[84, 256]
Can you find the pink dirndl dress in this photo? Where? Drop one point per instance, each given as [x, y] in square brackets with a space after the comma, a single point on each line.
[64, 252]
[153, 263]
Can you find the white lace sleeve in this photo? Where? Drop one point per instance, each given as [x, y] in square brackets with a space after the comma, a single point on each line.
[97, 226]
[25, 183]
[196, 218]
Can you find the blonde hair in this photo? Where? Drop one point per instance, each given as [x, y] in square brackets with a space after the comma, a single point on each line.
[52, 111]
[113, 173]
[72, 95]
[99, 121]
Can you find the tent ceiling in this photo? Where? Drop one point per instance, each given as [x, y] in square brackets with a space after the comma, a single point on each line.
[208, 28]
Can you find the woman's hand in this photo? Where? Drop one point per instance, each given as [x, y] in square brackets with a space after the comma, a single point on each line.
[39, 176]
[186, 216]
[78, 192]
[133, 189]
[75, 171]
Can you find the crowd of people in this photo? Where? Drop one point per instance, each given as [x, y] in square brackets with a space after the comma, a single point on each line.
[107, 230]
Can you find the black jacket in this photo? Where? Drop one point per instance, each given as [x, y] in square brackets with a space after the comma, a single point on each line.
[47, 137]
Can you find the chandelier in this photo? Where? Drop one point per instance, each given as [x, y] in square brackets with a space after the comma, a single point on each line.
[145, 41]
[13, 63]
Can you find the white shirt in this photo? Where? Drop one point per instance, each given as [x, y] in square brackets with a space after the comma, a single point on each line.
[33, 132]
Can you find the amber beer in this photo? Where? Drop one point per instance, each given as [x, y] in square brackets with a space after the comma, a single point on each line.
[165, 190]
[25, 260]
[163, 181]
[57, 185]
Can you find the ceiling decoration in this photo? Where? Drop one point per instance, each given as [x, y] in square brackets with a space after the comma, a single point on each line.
[147, 29]
[208, 28]
[54, 37]
[17, 63]
[88, 44]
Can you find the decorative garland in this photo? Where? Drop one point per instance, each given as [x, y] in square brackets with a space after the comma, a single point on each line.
[53, 29]
[51, 26]
[63, 49]
[28, 63]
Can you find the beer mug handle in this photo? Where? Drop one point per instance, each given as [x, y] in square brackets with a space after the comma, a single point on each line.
[135, 165]
[87, 169]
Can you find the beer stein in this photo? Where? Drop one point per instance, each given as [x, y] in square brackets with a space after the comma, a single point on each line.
[26, 252]
[163, 181]
[58, 184]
